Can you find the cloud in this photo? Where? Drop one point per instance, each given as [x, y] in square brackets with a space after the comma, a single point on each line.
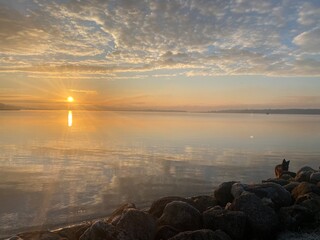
[206, 38]
[309, 41]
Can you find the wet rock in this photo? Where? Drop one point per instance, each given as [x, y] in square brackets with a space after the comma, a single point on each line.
[202, 203]
[166, 232]
[262, 220]
[315, 177]
[157, 206]
[291, 174]
[15, 238]
[289, 187]
[137, 224]
[73, 232]
[223, 193]
[237, 189]
[231, 222]
[307, 196]
[295, 217]
[305, 169]
[115, 216]
[203, 234]
[303, 176]
[312, 204]
[279, 181]
[301, 189]
[278, 194]
[181, 215]
[100, 230]
[41, 235]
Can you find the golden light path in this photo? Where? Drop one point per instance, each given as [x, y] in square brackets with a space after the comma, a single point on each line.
[69, 118]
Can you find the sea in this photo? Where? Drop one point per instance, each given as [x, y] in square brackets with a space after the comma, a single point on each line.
[62, 167]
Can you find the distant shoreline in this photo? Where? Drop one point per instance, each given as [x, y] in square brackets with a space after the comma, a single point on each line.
[293, 111]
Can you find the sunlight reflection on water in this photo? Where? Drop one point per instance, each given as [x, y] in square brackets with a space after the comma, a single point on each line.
[53, 173]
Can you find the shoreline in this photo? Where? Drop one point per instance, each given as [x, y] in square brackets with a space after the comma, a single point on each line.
[289, 205]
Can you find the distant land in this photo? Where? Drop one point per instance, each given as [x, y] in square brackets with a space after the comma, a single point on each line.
[272, 111]
[305, 111]
[8, 107]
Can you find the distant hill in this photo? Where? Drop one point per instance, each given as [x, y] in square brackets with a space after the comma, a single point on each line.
[8, 107]
[272, 111]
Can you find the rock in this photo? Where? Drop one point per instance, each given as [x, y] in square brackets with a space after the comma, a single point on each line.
[137, 224]
[315, 177]
[278, 194]
[291, 174]
[295, 217]
[157, 206]
[100, 230]
[223, 193]
[262, 220]
[303, 176]
[166, 232]
[231, 222]
[203, 234]
[289, 187]
[41, 235]
[312, 204]
[181, 215]
[279, 181]
[301, 189]
[237, 189]
[14, 238]
[115, 216]
[305, 169]
[202, 203]
[307, 196]
[73, 232]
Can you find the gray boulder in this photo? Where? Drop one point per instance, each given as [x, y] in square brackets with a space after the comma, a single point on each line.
[305, 169]
[295, 217]
[137, 224]
[315, 177]
[166, 232]
[204, 202]
[102, 230]
[279, 196]
[262, 220]
[115, 216]
[231, 222]
[203, 234]
[223, 193]
[281, 181]
[181, 215]
[157, 206]
[303, 176]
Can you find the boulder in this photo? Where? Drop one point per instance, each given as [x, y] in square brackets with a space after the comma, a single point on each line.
[291, 174]
[166, 232]
[204, 202]
[73, 232]
[307, 196]
[279, 181]
[295, 217]
[181, 215]
[115, 216]
[262, 220]
[137, 224]
[312, 204]
[269, 190]
[157, 206]
[101, 230]
[203, 234]
[305, 169]
[301, 189]
[15, 238]
[289, 187]
[231, 222]
[315, 177]
[223, 193]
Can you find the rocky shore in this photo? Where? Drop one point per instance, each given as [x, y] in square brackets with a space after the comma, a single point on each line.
[278, 208]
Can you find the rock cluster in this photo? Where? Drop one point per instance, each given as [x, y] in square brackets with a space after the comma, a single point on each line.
[235, 211]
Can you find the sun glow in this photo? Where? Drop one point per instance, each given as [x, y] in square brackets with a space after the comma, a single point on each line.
[70, 99]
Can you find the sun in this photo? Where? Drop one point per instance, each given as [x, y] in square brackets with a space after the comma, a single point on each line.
[70, 99]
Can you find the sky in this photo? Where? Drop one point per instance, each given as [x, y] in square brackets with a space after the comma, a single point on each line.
[180, 54]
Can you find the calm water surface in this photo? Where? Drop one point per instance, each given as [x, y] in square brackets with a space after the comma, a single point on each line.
[60, 167]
